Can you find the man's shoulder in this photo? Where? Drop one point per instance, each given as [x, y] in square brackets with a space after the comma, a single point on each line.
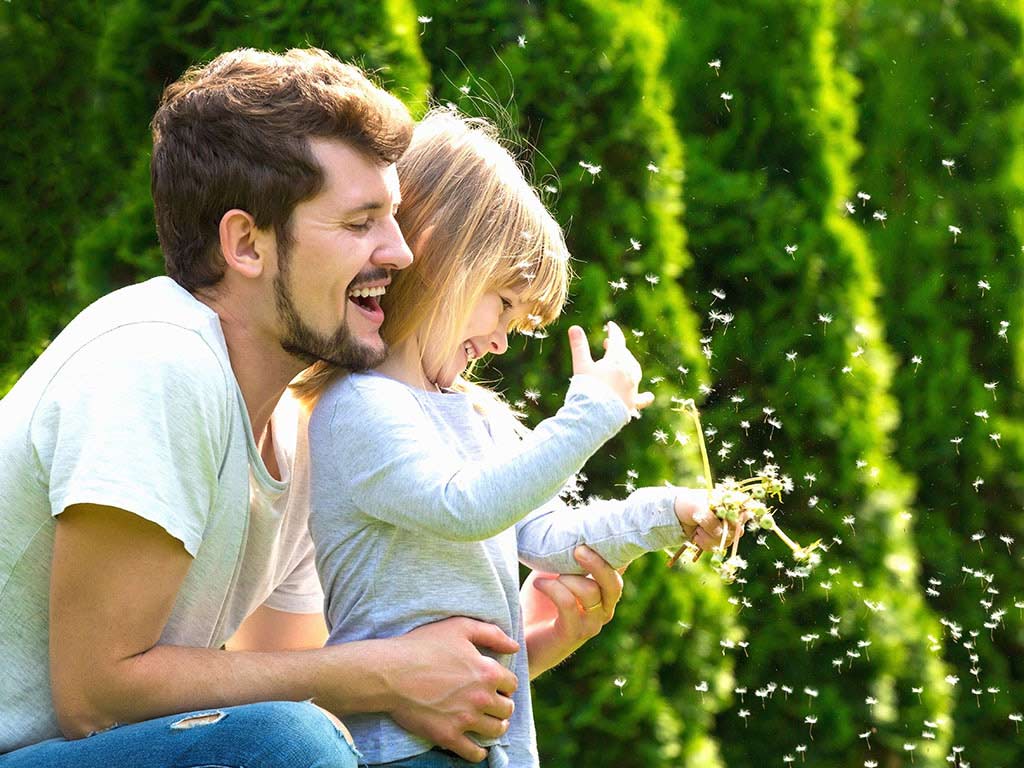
[142, 330]
[159, 300]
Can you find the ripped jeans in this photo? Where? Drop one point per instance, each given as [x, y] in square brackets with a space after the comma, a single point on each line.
[273, 734]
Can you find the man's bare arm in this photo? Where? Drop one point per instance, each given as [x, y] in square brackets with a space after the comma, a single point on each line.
[114, 581]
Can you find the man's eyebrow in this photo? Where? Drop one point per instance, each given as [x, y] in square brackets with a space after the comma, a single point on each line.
[369, 205]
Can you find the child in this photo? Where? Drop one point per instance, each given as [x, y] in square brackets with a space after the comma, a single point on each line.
[425, 491]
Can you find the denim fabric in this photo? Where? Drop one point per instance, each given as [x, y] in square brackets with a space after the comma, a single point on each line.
[275, 734]
[435, 758]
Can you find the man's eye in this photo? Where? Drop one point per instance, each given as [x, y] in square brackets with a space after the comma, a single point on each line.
[362, 226]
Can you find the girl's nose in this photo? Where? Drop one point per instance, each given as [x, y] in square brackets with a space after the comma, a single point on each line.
[499, 342]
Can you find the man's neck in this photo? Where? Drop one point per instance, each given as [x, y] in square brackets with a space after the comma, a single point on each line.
[262, 368]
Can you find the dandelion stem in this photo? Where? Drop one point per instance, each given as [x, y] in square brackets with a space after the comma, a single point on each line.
[789, 542]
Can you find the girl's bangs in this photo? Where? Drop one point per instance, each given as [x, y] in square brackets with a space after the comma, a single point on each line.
[541, 278]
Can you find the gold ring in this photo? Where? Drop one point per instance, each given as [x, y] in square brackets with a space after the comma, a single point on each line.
[594, 607]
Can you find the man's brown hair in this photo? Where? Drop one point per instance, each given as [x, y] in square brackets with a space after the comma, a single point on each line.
[234, 133]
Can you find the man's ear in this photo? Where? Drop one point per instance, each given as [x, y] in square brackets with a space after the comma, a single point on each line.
[242, 244]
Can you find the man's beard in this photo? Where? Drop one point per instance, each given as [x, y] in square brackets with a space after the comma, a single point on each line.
[306, 344]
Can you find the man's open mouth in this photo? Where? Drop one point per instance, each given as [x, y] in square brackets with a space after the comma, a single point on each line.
[367, 298]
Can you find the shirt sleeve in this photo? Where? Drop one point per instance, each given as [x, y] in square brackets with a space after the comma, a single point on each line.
[618, 530]
[300, 592]
[137, 419]
[401, 470]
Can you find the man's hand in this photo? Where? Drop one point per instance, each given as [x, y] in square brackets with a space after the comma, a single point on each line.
[446, 687]
[561, 613]
[618, 368]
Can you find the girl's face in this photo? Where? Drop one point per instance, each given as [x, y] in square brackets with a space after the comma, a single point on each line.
[485, 332]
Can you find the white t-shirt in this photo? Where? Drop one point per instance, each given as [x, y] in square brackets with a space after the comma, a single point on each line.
[134, 405]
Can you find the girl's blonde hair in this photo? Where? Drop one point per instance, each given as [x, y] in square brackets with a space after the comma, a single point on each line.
[475, 224]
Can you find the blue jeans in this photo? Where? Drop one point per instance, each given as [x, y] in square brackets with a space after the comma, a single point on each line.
[435, 758]
[273, 734]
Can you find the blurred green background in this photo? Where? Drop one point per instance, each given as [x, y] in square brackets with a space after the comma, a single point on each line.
[808, 214]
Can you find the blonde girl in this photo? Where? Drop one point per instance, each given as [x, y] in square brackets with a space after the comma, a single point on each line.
[425, 492]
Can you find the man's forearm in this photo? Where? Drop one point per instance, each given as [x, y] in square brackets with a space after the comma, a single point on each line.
[168, 679]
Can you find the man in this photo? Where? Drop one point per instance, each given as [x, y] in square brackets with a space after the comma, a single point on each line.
[138, 529]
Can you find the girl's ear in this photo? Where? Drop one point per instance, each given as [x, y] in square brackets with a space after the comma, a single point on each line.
[420, 243]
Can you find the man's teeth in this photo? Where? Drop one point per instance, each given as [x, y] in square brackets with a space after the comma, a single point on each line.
[365, 293]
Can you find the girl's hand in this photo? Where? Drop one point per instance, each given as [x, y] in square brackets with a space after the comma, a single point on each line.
[618, 368]
[561, 613]
[700, 525]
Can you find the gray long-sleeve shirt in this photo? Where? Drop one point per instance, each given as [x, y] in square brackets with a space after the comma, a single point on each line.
[421, 508]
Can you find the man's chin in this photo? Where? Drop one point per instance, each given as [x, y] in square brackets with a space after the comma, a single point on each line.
[358, 357]
[347, 354]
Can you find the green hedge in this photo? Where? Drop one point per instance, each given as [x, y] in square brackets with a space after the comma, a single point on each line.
[45, 70]
[768, 169]
[943, 82]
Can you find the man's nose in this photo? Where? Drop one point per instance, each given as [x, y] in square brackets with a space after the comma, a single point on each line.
[393, 252]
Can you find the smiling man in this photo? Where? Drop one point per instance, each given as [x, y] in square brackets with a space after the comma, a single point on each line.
[143, 478]
[139, 531]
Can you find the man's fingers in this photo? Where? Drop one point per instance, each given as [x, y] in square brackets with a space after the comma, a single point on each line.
[643, 400]
[488, 636]
[565, 599]
[499, 710]
[607, 578]
[506, 682]
[491, 727]
[466, 748]
[579, 347]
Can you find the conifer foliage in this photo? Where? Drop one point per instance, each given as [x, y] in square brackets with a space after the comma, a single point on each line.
[941, 125]
[800, 378]
[46, 155]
